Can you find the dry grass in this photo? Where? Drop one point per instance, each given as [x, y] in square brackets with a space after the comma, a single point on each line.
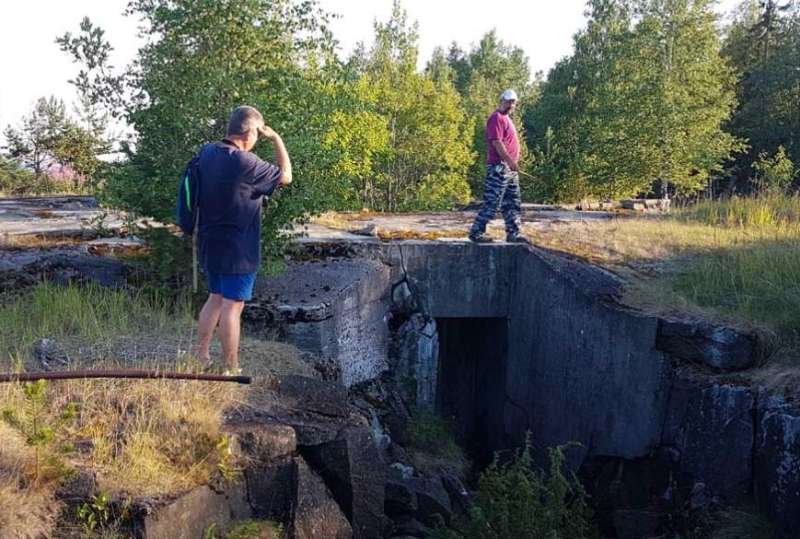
[428, 235]
[25, 511]
[35, 241]
[140, 437]
[343, 220]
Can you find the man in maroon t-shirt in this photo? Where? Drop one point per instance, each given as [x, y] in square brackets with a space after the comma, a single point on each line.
[502, 177]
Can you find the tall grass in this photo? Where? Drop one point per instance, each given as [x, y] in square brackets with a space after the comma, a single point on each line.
[88, 314]
[736, 261]
[755, 274]
[769, 210]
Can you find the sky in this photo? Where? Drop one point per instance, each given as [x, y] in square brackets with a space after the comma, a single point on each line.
[32, 65]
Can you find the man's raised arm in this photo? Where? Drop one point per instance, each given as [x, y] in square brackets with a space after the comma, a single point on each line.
[281, 155]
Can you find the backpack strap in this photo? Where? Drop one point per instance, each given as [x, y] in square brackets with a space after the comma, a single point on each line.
[193, 168]
[194, 250]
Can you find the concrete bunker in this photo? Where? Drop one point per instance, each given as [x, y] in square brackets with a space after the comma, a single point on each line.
[577, 365]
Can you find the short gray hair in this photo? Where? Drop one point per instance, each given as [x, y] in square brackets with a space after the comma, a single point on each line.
[243, 119]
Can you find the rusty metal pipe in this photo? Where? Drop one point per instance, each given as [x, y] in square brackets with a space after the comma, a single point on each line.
[120, 373]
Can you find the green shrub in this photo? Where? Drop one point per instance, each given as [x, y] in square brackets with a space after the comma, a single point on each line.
[516, 500]
[774, 173]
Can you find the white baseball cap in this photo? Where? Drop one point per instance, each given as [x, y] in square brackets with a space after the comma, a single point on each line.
[509, 95]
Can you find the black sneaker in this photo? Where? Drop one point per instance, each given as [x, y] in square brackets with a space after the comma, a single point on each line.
[519, 238]
[481, 238]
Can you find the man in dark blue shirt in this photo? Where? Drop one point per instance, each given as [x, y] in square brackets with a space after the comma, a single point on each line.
[233, 184]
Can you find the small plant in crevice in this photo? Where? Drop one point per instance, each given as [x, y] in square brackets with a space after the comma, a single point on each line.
[514, 499]
[248, 529]
[101, 516]
[432, 441]
[94, 514]
[225, 460]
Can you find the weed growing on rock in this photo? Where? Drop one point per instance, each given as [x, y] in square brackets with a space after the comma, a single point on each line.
[432, 443]
[249, 529]
[516, 500]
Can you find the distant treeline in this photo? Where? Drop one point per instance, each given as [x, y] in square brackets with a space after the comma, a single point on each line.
[658, 97]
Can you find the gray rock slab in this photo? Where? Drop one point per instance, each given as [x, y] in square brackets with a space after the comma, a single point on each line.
[315, 514]
[313, 395]
[777, 463]
[271, 487]
[60, 267]
[262, 442]
[712, 428]
[352, 468]
[432, 500]
[721, 348]
[187, 517]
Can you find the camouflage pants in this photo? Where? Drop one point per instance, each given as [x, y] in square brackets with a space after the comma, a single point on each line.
[500, 192]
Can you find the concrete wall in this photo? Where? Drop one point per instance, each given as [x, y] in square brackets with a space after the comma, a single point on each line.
[580, 367]
[583, 371]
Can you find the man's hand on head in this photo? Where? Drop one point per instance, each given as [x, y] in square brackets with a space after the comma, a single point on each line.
[267, 132]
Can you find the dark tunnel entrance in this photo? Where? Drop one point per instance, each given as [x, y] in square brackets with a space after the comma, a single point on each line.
[471, 381]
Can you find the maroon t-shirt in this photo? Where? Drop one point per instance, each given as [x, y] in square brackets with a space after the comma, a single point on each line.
[500, 127]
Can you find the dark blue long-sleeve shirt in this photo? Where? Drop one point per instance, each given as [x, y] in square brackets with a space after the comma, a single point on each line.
[232, 185]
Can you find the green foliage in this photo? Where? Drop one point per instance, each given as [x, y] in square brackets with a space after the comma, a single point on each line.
[516, 500]
[433, 435]
[403, 146]
[763, 44]
[480, 76]
[774, 173]
[371, 133]
[642, 101]
[225, 464]
[95, 513]
[16, 180]
[253, 529]
[36, 139]
[360, 141]
[100, 517]
[209, 58]
[167, 266]
[47, 136]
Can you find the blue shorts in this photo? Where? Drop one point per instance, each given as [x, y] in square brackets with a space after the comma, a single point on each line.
[232, 286]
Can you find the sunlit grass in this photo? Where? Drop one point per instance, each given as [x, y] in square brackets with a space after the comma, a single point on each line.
[88, 314]
[737, 261]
